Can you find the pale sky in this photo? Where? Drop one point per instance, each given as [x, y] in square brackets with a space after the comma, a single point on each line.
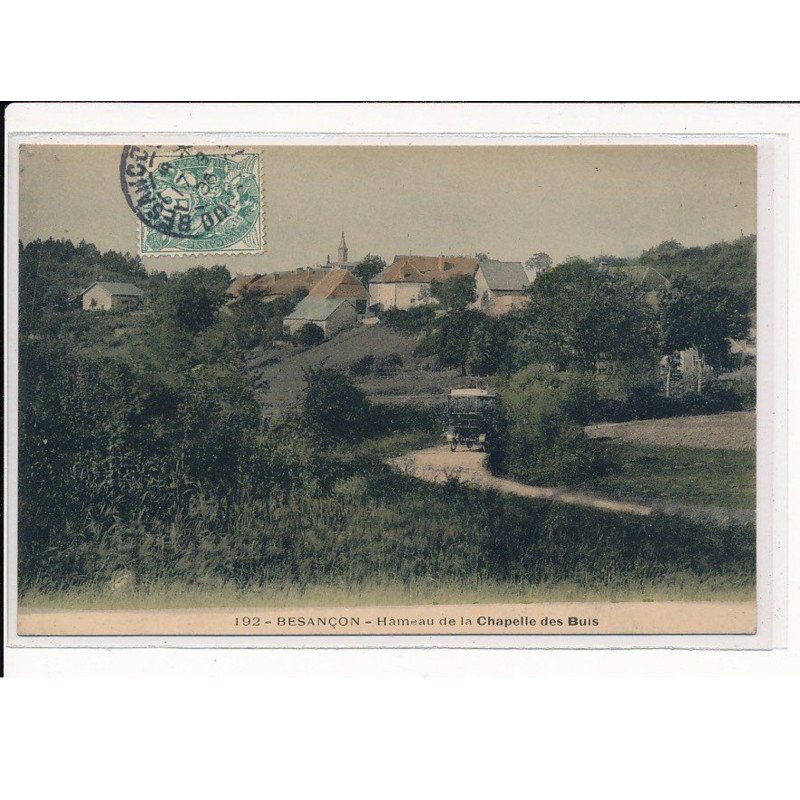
[508, 201]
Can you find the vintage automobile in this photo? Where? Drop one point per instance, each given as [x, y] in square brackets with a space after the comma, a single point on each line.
[469, 417]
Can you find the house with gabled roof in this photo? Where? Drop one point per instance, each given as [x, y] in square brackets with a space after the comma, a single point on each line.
[406, 282]
[332, 314]
[342, 283]
[110, 296]
[276, 284]
[496, 279]
[240, 283]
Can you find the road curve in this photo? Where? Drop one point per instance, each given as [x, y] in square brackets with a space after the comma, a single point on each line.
[438, 464]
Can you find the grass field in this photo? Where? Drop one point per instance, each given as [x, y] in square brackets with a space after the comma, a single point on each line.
[279, 375]
[684, 475]
[731, 431]
[682, 586]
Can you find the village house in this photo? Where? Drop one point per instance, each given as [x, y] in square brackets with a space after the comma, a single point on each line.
[406, 282]
[108, 296]
[240, 283]
[276, 284]
[341, 283]
[332, 314]
[500, 286]
[270, 286]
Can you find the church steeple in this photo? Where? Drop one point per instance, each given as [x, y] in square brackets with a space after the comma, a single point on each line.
[343, 250]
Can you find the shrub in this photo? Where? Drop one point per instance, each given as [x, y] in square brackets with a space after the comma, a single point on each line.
[333, 405]
[541, 439]
[414, 320]
[363, 366]
[309, 335]
[733, 395]
[388, 364]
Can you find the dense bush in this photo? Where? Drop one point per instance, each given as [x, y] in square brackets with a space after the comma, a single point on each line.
[333, 405]
[541, 439]
[309, 335]
[388, 364]
[98, 442]
[363, 366]
[414, 320]
[648, 401]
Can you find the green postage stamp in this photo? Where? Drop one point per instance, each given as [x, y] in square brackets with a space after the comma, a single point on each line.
[192, 201]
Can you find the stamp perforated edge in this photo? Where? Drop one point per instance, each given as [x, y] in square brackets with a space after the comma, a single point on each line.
[262, 222]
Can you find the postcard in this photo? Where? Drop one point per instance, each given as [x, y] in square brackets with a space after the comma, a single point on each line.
[462, 390]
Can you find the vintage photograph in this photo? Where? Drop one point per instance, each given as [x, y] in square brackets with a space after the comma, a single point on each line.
[364, 390]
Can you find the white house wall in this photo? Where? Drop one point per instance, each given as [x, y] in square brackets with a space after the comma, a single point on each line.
[101, 297]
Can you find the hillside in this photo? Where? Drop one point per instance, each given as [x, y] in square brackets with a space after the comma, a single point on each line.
[277, 374]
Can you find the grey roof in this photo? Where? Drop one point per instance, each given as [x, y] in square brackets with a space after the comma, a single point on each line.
[504, 275]
[117, 289]
[316, 309]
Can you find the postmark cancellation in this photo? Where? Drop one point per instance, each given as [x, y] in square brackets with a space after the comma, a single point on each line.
[192, 201]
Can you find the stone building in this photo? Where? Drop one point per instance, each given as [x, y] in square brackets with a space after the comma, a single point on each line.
[496, 279]
[406, 282]
[332, 314]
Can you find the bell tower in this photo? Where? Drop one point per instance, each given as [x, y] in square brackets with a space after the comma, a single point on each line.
[343, 250]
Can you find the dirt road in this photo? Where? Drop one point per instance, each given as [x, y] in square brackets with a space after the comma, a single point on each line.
[438, 464]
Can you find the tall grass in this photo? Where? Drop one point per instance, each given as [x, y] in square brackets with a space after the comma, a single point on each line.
[387, 528]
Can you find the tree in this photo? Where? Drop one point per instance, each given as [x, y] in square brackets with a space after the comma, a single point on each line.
[579, 316]
[541, 262]
[705, 318]
[482, 256]
[333, 404]
[453, 335]
[190, 300]
[309, 335]
[488, 346]
[455, 293]
[368, 268]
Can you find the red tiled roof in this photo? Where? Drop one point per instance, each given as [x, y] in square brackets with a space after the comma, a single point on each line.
[339, 283]
[239, 283]
[424, 269]
[284, 283]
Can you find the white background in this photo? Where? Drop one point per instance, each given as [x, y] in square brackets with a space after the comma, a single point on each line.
[730, 736]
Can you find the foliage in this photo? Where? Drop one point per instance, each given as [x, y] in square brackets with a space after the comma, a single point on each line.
[309, 335]
[388, 364]
[730, 265]
[454, 294]
[190, 301]
[52, 272]
[362, 366]
[98, 441]
[413, 320]
[542, 439]
[333, 405]
[368, 268]
[702, 317]
[578, 316]
[539, 261]
[251, 321]
[452, 336]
